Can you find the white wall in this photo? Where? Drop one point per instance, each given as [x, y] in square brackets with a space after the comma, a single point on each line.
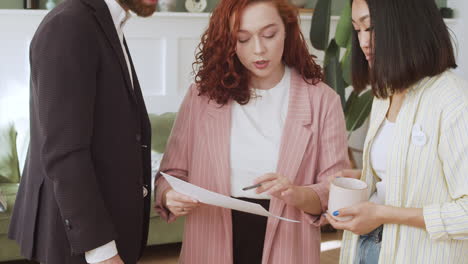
[460, 30]
[162, 48]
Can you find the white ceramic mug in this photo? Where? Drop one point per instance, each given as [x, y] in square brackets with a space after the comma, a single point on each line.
[346, 192]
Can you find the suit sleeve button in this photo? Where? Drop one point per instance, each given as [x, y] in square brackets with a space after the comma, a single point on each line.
[67, 224]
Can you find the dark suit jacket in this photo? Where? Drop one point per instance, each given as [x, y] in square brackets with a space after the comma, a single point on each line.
[89, 154]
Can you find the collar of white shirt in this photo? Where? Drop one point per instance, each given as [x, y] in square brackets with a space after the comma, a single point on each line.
[119, 15]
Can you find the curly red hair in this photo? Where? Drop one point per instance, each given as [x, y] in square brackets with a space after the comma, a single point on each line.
[220, 74]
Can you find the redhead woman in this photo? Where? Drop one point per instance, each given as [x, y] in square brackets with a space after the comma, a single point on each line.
[257, 113]
[416, 151]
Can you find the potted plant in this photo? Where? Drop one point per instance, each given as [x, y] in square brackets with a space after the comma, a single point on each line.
[356, 106]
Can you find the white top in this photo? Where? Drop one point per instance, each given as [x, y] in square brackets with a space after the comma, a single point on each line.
[379, 155]
[256, 130]
[120, 17]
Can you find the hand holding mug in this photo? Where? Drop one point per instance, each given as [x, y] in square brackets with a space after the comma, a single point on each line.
[346, 192]
[365, 218]
[348, 173]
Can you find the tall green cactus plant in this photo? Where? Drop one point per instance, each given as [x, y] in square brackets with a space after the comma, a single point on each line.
[357, 107]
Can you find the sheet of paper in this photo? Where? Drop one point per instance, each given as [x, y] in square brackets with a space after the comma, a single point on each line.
[209, 197]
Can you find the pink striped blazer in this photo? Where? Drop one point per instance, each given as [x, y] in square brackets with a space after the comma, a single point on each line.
[313, 146]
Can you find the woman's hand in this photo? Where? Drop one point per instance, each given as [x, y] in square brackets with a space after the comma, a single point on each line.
[348, 173]
[278, 186]
[366, 217]
[179, 204]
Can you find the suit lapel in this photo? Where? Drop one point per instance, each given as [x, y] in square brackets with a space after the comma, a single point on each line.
[379, 112]
[403, 130]
[217, 128]
[103, 16]
[137, 93]
[381, 109]
[136, 84]
[217, 125]
[403, 140]
[296, 135]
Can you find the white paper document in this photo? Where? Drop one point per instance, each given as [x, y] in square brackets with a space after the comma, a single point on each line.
[209, 197]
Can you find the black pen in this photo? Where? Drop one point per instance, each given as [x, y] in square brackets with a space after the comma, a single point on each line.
[252, 187]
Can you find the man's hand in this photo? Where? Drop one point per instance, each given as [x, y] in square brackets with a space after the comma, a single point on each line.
[114, 260]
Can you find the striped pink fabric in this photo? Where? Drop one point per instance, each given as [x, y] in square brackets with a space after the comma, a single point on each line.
[313, 146]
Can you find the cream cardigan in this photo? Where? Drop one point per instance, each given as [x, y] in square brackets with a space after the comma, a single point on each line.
[427, 168]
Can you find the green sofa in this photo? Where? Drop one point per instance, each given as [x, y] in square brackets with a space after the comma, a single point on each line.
[160, 232]
[9, 182]
[8, 249]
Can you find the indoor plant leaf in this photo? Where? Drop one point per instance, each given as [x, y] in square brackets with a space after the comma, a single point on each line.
[333, 73]
[357, 109]
[320, 27]
[346, 64]
[344, 27]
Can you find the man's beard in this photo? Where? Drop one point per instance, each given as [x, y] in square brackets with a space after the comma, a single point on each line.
[139, 8]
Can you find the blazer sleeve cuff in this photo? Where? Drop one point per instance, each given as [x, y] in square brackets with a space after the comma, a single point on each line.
[101, 253]
[434, 223]
[161, 187]
[322, 191]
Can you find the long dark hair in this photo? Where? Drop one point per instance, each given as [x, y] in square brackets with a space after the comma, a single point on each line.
[411, 42]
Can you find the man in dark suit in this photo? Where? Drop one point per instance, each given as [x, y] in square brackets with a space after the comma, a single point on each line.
[83, 195]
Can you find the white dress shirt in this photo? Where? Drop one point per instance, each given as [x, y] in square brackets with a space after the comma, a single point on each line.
[256, 132]
[119, 16]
